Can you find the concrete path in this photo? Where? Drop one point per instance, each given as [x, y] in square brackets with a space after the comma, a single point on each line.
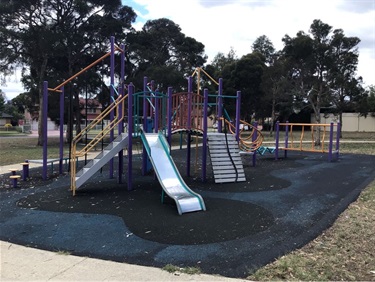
[19, 263]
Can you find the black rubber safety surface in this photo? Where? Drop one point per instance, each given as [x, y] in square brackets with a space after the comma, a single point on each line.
[283, 205]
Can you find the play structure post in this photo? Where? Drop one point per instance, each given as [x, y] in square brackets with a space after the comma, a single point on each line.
[146, 164]
[122, 113]
[338, 133]
[112, 114]
[169, 116]
[254, 137]
[277, 140]
[62, 95]
[45, 128]
[330, 145]
[144, 125]
[188, 142]
[120, 128]
[130, 134]
[220, 106]
[238, 115]
[286, 138]
[204, 145]
[156, 113]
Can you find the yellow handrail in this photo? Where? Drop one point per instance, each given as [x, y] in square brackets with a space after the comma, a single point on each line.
[100, 136]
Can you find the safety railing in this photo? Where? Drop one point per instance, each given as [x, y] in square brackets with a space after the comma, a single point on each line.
[187, 110]
[119, 107]
[309, 137]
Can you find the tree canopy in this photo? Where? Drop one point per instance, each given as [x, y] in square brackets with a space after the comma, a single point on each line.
[54, 39]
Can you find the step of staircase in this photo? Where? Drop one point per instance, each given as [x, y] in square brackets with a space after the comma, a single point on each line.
[101, 159]
[225, 157]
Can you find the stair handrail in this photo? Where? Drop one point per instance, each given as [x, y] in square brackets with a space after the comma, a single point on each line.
[99, 137]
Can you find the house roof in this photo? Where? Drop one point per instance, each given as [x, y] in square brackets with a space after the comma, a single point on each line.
[4, 115]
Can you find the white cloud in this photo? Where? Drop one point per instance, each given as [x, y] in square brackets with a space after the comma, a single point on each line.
[222, 24]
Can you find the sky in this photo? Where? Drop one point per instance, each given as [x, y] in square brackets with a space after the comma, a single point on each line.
[222, 25]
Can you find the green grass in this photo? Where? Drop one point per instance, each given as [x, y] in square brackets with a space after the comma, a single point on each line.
[18, 149]
[11, 134]
[187, 270]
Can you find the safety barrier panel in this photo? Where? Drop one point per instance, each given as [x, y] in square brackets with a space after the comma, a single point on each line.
[309, 137]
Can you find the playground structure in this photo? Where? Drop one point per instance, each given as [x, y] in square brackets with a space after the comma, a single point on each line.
[153, 116]
[147, 113]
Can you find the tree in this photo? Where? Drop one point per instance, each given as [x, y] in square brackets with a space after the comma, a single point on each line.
[2, 100]
[49, 37]
[14, 111]
[220, 61]
[313, 64]
[345, 88]
[366, 103]
[264, 46]
[276, 88]
[371, 99]
[247, 77]
[160, 50]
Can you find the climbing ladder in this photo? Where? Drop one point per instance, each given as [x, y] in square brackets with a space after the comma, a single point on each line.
[225, 158]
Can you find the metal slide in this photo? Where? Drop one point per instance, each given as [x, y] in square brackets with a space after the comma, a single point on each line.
[170, 179]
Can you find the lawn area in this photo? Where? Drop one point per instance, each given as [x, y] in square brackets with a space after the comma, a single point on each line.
[16, 149]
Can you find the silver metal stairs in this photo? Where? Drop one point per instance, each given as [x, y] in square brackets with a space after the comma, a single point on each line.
[101, 159]
[225, 158]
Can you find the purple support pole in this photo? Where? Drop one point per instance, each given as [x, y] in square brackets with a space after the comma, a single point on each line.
[45, 128]
[145, 129]
[121, 124]
[277, 141]
[190, 102]
[112, 114]
[120, 128]
[130, 133]
[286, 139]
[220, 106]
[25, 170]
[145, 108]
[156, 114]
[330, 145]
[14, 182]
[204, 147]
[122, 70]
[338, 133]
[188, 143]
[62, 95]
[254, 137]
[169, 116]
[28, 168]
[238, 115]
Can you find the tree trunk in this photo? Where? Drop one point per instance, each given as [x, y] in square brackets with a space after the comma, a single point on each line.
[273, 116]
[41, 126]
[340, 119]
[77, 113]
